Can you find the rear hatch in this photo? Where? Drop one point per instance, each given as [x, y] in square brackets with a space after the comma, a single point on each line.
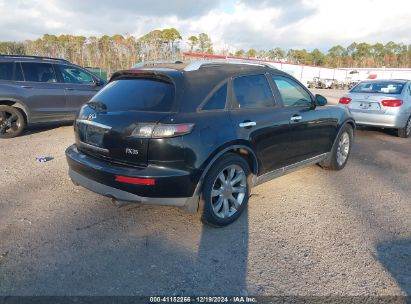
[104, 127]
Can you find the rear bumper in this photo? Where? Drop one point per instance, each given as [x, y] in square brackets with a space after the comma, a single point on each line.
[380, 120]
[121, 195]
[172, 187]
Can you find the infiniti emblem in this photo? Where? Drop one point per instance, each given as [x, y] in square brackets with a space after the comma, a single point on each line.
[92, 116]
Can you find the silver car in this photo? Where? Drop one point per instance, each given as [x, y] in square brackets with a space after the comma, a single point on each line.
[381, 103]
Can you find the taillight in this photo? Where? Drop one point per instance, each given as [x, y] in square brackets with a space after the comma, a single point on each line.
[392, 102]
[137, 181]
[143, 130]
[345, 100]
[161, 130]
[168, 130]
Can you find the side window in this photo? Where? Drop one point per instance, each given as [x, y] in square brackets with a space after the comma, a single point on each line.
[292, 94]
[18, 74]
[6, 70]
[218, 100]
[253, 92]
[38, 72]
[74, 75]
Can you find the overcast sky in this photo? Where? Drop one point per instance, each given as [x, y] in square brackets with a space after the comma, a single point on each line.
[260, 24]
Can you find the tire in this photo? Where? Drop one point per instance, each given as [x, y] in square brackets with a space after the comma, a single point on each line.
[219, 208]
[340, 151]
[406, 131]
[12, 122]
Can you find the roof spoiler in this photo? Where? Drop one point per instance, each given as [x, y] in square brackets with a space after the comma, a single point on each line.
[138, 73]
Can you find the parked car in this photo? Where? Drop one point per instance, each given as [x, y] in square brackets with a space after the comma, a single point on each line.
[315, 83]
[318, 83]
[41, 89]
[200, 135]
[328, 83]
[381, 103]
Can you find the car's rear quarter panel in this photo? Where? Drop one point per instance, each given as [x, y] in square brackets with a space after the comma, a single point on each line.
[212, 130]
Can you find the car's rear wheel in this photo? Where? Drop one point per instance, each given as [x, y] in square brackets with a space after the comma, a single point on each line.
[406, 131]
[341, 150]
[12, 122]
[226, 190]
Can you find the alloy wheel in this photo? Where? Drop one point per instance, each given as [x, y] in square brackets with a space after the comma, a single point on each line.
[343, 148]
[228, 191]
[9, 122]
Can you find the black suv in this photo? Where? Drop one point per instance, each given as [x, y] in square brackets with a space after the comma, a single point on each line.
[200, 135]
[41, 89]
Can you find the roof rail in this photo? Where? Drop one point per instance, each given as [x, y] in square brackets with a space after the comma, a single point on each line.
[146, 63]
[34, 57]
[195, 65]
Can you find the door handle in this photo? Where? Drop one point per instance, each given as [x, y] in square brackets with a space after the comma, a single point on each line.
[247, 124]
[69, 89]
[296, 118]
[26, 87]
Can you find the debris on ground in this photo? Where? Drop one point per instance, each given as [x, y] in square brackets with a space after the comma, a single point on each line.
[44, 159]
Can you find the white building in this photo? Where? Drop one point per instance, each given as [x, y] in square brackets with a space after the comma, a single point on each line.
[306, 73]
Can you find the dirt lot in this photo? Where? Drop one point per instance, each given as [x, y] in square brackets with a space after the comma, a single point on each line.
[313, 232]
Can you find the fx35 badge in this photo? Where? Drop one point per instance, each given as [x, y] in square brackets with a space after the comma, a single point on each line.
[131, 151]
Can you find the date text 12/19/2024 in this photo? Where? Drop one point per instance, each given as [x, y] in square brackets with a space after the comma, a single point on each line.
[203, 299]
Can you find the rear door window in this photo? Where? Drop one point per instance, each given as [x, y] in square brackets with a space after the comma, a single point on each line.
[74, 75]
[252, 92]
[136, 94]
[6, 70]
[38, 72]
[218, 100]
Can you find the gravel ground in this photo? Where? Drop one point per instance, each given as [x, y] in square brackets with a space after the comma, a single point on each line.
[312, 232]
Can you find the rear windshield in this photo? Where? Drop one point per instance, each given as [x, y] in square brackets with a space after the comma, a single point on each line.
[136, 94]
[384, 87]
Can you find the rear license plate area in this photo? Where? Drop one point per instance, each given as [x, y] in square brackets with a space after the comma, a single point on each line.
[372, 106]
[92, 135]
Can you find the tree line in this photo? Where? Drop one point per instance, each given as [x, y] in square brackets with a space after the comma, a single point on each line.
[391, 54]
[123, 51]
[111, 53]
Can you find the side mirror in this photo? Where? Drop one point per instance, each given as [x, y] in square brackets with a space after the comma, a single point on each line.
[99, 82]
[320, 100]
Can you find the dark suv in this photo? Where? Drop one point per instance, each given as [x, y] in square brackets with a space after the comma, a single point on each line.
[200, 135]
[41, 89]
